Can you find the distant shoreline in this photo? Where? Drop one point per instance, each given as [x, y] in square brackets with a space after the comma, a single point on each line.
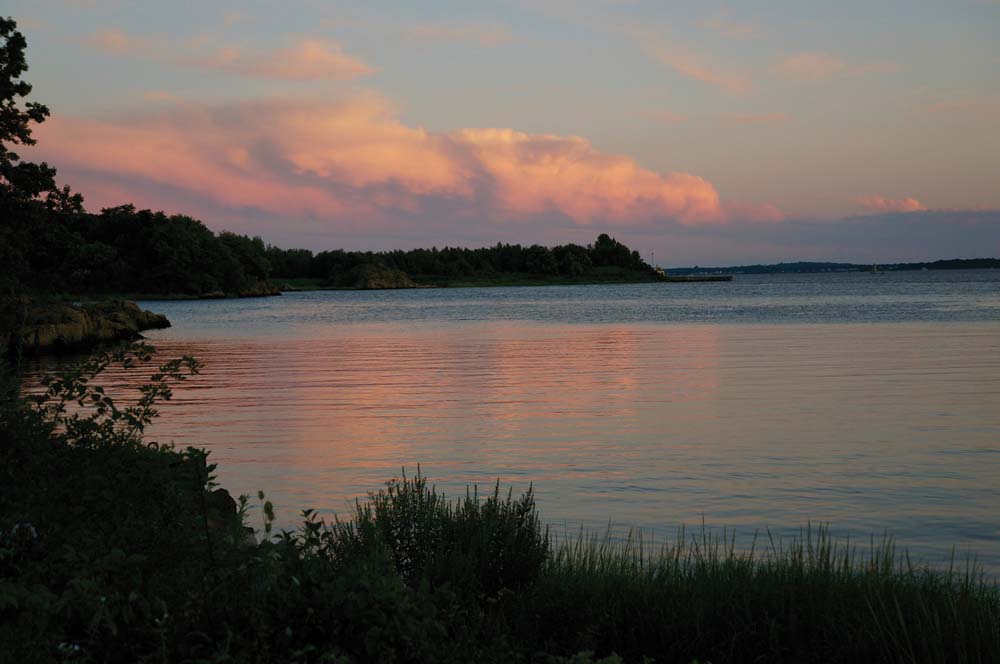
[494, 281]
[814, 267]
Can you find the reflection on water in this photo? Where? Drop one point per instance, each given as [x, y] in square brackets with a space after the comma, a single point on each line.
[868, 426]
[769, 402]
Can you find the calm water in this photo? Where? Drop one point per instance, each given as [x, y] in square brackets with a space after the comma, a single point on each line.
[871, 402]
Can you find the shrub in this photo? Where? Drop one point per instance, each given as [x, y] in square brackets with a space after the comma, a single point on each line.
[487, 546]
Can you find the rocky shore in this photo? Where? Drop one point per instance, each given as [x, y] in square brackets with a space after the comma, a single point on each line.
[377, 277]
[39, 327]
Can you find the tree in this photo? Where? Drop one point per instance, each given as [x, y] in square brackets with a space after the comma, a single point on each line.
[19, 180]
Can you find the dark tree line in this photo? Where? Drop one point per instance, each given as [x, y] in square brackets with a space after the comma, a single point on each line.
[124, 250]
[570, 260]
[49, 243]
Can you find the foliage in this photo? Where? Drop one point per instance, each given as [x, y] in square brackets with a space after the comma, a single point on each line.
[459, 265]
[487, 547]
[810, 600]
[124, 250]
[19, 181]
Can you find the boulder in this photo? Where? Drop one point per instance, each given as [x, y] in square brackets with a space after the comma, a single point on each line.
[372, 277]
[62, 326]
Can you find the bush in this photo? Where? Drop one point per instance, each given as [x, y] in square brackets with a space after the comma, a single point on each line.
[485, 547]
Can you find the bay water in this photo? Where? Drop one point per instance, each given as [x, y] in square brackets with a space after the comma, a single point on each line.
[868, 402]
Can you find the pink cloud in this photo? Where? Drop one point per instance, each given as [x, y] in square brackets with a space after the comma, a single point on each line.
[687, 63]
[304, 60]
[816, 66]
[160, 96]
[761, 213]
[976, 104]
[352, 161]
[308, 59]
[118, 42]
[539, 173]
[880, 204]
[693, 66]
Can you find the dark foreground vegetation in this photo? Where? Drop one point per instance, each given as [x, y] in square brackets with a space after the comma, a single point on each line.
[115, 549]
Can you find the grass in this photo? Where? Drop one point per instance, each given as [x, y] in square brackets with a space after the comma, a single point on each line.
[111, 550]
[814, 599]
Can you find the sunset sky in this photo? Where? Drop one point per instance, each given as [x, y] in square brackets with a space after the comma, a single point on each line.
[708, 133]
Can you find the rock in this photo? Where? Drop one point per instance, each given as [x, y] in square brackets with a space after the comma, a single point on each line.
[61, 326]
[222, 515]
[371, 277]
[259, 289]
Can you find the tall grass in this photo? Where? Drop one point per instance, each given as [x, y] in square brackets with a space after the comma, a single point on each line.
[481, 545]
[700, 597]
[812, 599]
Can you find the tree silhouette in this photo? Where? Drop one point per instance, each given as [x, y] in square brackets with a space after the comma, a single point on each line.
[21, 180]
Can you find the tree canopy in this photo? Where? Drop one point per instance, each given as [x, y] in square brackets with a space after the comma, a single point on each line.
[19, 180]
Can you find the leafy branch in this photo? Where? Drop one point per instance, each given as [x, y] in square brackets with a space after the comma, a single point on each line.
[75, 406]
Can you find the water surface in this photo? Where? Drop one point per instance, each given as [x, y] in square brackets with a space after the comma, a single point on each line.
[870, 402]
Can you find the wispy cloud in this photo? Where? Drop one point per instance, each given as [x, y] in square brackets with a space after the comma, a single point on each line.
[113, 41]
[966, 104]
[882, 204]
[482, 33]
[305, 59]
[160, 96]
[688, 63]
[817, 66]
[724, 23]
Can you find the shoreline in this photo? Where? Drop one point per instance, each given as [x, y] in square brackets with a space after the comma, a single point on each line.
[55, 327]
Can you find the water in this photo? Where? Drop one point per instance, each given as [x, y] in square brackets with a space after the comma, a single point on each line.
[869, 402]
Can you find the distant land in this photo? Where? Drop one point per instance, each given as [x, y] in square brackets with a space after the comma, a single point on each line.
[818, 267]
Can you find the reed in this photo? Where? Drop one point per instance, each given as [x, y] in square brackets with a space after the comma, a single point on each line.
[813, 598]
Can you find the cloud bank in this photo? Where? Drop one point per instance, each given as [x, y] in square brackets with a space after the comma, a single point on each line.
[353, 161]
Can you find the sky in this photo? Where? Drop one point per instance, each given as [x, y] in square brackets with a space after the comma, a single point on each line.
[708, 133]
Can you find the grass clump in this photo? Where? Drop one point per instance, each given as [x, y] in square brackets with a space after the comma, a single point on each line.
[116, 550]
[812, 600]
[483, 546]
